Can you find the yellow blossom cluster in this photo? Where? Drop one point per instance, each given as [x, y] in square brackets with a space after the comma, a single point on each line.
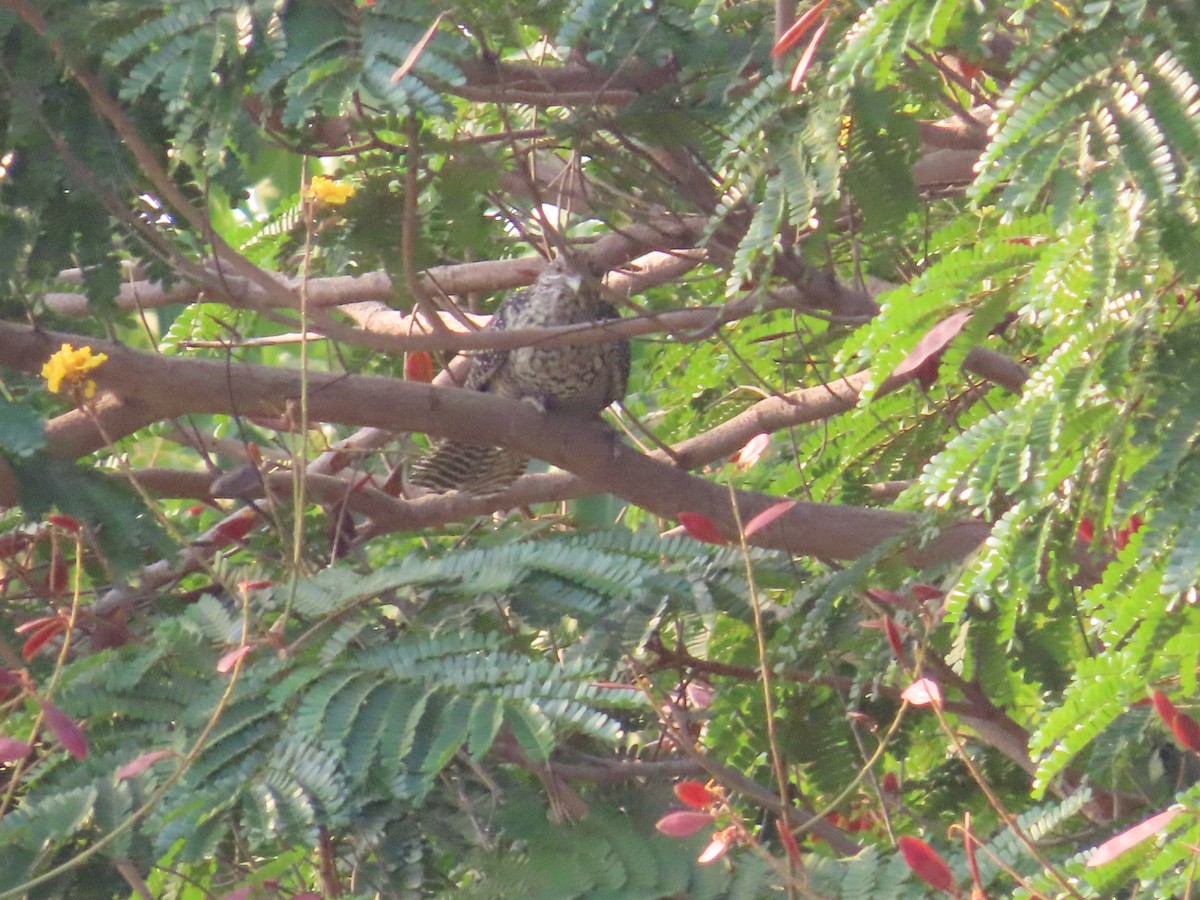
[69, 367]
[323, 189]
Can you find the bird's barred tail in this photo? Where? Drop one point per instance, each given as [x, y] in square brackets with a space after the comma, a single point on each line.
[471, 468]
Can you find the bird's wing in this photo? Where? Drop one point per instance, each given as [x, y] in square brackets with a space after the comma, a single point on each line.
[486, 363]
[621, 356]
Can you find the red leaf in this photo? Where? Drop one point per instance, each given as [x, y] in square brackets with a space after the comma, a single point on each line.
[694, 794]
[42, 637]
[142, 763]
[247, 586]
[1187, 732]
[752, 451]
[1164, 707]
[1132, 527]
[767, 516]
[1131, 837]
[932, 344]
[925, 592]
[418, 366]
[1086, 531]
[226, 663]
[683, 823]
[789, 842]
[36, 624]
[67, 523]
[798, 29]
[235, 528]
[801, 70]
[887, 597]
[926, 863]
[893, 637]
[923, 692]
[700, 527]
[864, 719]
[58, 577]
[969, 70]
[68, 733]
[716, 848]
[12, 750]
[890, 783]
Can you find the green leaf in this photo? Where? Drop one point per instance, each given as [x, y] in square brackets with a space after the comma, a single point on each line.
[21, 428]
[128, 533]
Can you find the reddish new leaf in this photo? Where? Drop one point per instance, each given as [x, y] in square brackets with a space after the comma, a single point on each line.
[716, 848]
[924, 592]
[1131, 837]
[418, 366]
[1086, 531]
[1164, 707]
[1187, 732]
[887, 597]
[694, 794]
[893, 637]
[866, 720]
[752, 451]
[801, 71]
[923, 692]
[683, 823]
[969, 70]
[142, 763]
[12, 750]
[1132, 527]
[67, 523]
[767, 516]
[798, 29]
[68, 733]
[36, 624]
[58, 576]
[700, 527]
[926, 863]
[234, 529]
[226, 663]
[890, 783]
[932, 344]
[42, 636]
[790, 845]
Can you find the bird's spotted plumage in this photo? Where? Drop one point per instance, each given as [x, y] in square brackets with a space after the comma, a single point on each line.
[581, 380]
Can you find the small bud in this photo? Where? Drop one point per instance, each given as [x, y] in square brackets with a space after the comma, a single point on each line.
[683, 823]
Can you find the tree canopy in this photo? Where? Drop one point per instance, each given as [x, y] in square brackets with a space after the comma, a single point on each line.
[879, 582]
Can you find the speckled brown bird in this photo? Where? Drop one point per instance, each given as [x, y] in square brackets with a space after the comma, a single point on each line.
[581, 380]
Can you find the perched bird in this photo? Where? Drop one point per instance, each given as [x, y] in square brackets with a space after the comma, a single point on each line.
[581, 380]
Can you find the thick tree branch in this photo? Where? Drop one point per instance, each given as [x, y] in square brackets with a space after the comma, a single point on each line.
[586, 448]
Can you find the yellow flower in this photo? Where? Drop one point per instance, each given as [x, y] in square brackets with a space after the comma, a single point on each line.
[324, 189]
[69, 366]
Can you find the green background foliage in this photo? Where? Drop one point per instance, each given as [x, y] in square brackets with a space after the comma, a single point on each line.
[498, 706]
